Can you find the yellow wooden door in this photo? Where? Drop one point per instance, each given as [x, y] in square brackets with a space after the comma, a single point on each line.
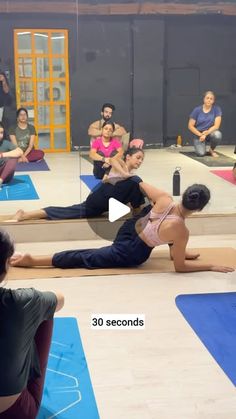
[42, 84]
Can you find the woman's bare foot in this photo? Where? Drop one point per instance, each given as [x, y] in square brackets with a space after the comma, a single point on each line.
[18, 216]
[22, 215]
[213, 153]
[27, 261]
[20, 260]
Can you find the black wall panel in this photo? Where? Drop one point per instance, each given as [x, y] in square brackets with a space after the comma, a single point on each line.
[200, 56]
[153, 69]
[148, 43]
[102, 75]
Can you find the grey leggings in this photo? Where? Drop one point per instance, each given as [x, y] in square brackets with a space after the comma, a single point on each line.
[213, 139]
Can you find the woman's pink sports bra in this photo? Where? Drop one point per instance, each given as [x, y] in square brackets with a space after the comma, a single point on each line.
[150, 229]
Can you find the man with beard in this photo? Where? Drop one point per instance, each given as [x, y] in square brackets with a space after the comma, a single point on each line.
[95, 129]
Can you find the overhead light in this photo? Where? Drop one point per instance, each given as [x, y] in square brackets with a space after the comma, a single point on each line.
[41, 34]
[57, 37]
[23, 33]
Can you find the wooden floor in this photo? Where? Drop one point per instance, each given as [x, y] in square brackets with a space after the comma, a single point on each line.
[162, 372]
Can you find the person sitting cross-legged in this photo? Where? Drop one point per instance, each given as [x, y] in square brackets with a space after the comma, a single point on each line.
[103, 148]
[23, 135]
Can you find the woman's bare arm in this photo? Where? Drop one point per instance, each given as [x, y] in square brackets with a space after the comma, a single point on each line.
[60, 301]
[178, 253]
[95, 156]
[153, 193]
[30, 146]
[17, 152]
[13, 139]
[119, 166]
[192, 128]
[119, 153]
[214, 127]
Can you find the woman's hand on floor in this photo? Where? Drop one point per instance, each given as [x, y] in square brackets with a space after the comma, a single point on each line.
[224, 269]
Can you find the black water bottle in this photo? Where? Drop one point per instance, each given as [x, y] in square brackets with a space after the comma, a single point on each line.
[176, 182]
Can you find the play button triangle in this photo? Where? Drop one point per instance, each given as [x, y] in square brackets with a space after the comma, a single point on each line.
[116, 210]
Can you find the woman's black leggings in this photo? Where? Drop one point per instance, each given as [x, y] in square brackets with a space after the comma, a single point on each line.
[98, 201]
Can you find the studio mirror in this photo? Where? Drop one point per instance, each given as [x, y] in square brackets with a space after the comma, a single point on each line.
[65, 59]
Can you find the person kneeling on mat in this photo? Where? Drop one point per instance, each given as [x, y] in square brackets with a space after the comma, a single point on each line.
[25, 335]
[204, 123]
[164, 223]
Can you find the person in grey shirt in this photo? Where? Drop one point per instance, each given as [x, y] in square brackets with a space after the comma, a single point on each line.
[25, 337]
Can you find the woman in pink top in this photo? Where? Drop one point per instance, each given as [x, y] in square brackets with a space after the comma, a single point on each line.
[103, 148]
[164, 223]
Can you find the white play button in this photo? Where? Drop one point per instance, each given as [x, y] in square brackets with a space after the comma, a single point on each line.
[116, 210]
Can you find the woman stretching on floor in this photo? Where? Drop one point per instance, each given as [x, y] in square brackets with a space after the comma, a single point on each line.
[25, 335]
[135, 240]
[9, 154]
[119, 185]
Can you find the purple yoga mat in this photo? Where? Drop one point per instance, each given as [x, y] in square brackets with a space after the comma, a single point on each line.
[39, 166]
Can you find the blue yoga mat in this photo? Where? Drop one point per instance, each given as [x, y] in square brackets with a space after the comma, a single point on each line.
[90, 181]
[20, 188]
[39, 166]
[213, 319]
[68, 392]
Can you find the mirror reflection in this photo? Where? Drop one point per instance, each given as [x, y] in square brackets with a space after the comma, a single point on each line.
[148, 67]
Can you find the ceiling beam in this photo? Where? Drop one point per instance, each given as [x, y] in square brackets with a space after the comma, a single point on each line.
[145, 8]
